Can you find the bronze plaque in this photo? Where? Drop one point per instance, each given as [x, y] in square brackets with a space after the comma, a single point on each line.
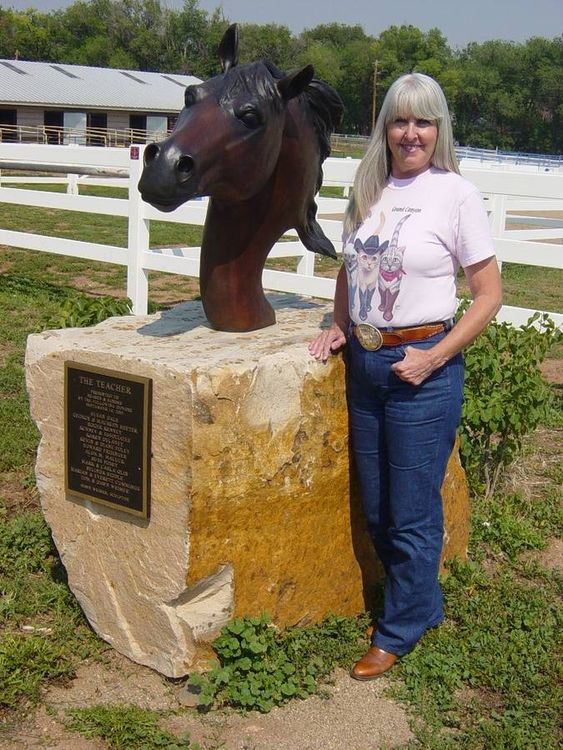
[108, 437]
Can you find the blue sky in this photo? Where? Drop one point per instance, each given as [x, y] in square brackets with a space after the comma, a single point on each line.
[461, 21]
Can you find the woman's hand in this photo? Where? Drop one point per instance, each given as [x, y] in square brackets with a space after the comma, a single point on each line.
[485, 286]
[327, 342]
[417, 365]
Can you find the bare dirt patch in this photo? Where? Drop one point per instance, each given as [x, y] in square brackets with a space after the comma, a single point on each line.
[165, 289]
[480, 696]
[540, 214]
[530, 473]
[350, 714]
[551, 557]
[15, 496]
[91, 286]
[552, 370]
[46, 733]
[115, 680]
[6, 350]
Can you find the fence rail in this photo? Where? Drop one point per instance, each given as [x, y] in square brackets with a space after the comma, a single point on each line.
[496, 157]
[55, 135]
[505, 191]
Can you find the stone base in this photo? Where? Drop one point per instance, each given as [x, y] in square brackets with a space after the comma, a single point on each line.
[251, 507]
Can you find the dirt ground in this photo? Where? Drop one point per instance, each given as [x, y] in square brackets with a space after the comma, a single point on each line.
[350, 716]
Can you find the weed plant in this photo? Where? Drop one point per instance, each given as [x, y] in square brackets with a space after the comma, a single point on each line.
[506, 397]
[79, 310]
[126, 728]
[259, 667]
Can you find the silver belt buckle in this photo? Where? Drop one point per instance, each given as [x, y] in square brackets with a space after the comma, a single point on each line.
[368, 336]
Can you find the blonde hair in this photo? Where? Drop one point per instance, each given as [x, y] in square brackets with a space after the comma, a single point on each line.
[416, 95]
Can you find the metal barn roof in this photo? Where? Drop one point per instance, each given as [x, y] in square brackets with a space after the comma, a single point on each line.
[54, 85]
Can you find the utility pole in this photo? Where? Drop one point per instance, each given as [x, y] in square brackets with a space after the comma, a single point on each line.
[374, 95]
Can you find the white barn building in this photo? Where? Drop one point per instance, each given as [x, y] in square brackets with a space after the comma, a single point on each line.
[59, 103]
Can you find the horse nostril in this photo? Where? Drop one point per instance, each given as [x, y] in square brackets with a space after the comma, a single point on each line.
[151, 152]
[184, 166]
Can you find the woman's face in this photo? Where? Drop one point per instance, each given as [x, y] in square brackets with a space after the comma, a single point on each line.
[412, 142]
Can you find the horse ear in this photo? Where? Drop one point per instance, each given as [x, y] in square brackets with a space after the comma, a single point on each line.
[228, 48]
[295, 83]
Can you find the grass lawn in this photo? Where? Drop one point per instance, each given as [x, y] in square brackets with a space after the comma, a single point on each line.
[524, 286]
[488, 679]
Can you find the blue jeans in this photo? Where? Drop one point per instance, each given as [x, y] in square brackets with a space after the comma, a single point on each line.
[402, 436]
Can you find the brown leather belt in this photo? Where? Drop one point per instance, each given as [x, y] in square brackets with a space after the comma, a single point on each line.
[372, 338]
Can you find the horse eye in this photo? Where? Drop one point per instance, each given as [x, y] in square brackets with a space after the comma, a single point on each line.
[249, 117]
[190, 96]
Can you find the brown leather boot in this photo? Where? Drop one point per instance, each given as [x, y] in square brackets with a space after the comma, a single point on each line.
[373, 664]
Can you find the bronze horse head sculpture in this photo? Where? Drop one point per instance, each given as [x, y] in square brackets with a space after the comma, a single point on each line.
[253, 139]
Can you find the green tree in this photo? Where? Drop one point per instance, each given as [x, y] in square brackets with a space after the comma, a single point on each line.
[405, 49]
[356, 85]
[544, 65]
[190, 40]
[85, 33]
[510, 95]
[343, 56]
[28, 35]
[267, 42]
[338, 35]
[325, 58]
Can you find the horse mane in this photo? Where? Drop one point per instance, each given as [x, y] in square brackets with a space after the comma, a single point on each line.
[251, 79]
[324, 107]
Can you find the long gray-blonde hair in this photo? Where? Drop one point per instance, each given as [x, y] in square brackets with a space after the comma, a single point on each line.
[416, 95]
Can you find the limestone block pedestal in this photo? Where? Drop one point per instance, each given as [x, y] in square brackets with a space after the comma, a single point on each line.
[251, 508]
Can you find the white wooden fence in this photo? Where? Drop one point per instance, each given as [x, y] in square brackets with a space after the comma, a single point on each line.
[505, 190]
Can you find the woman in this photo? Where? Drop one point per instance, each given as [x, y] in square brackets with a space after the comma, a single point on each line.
[411, 222]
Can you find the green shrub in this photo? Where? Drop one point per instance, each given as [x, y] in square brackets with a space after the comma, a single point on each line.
[506, 396]
[78, 311]
[260, 668]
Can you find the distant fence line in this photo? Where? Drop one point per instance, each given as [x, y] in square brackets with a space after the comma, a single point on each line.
[342, 142]
[507, 189]
[60, 136]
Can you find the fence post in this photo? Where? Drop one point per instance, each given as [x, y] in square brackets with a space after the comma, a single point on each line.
[346, 191]
[138, 237]
[306, 265]
[72, 184]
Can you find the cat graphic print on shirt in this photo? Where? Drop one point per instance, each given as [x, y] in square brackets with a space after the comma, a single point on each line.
[391, 271]
[361, 261]
[402, 261]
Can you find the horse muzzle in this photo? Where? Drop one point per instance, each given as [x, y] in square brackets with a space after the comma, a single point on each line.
[169, 177]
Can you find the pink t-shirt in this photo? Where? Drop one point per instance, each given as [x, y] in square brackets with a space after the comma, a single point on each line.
[402, 261]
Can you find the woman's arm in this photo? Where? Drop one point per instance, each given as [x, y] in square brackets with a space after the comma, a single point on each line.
[486, 290]
[333, 338]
